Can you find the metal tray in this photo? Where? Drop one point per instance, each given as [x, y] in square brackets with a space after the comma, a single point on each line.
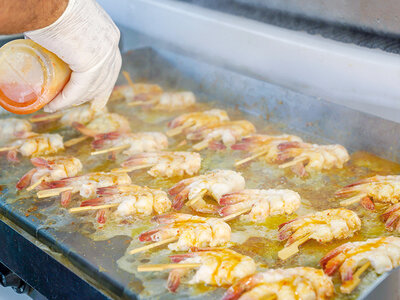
[320, 120]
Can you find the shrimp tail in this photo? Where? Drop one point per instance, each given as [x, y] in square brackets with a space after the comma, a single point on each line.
[40, 162]
[174, 279]
[12, 156]
[367, 203]
[93, 202]
[107, 191]
[83, 129]
[101, 216]
[66, 198]
[148, 236]
[180, 257]
[240, 287]
[179, 200]
[25, 180]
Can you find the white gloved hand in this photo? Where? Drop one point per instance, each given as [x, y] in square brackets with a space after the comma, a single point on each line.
[86, 39]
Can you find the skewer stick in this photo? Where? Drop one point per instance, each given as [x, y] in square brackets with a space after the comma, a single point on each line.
[147, 102]
[9, 148]
[46, 118]
[117, 148]
[202, 145]
[197, 198]
[53, 192]
[182, 143]
[131, 169]
[178, 130]
[254, 156]
[128, 78]
[36, 184]
[292, 162]
[233, 216]
[350, 285]
[92, 207]
[154, 245]
[75, 141]
[352, 200]
[291, 250]
[163, 267]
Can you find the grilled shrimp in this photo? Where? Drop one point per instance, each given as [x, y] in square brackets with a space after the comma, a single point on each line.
[132, 200]
[214, 183]
[218, 136]
[135, 142]
[385, 189]
[137, 91]
[191, 231]
[12, 129]
[263, 203]
[268, 144]
[104, 123]
[219, 267]
[40, 144]
[50, 169]
[174, 100]
[283, 284]
[167, 164]
[306, 157]
[86, 185]
[323, 226]
[383, 254]
[191, 121]
[82, 114]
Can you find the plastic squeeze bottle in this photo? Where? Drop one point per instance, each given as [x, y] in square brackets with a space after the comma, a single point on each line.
[30, 76]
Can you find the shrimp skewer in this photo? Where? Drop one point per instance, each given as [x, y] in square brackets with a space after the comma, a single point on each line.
[216, 267]
[283, 284]
[188, 231]
[86, 185]
[383, 254]
[49, 169]
[261, 203]
[128, 200]
[13, 129]
[165, 164]
[131, 143]
[214, 183]
[323, 226]
[168, 101]
[304, 157]
[384, 189]
[262, 145]
[40, 144]
[191, 121]
[136, 92]
[221, 135]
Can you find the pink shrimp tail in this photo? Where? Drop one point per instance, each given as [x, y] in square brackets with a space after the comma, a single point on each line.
[174, 280]
[83, 129]
[179, 200]
[214, 145]
[148, 235]
[54, 184]
[12, 156]
[100, 139]
[367, 203]
[101, 216]
[177, 188]
[40, 162]
[288, 145]
[227, 210]
[230, 198]
[25, 180]
[165, 218]
[240, 287]
[284, 233]
[66, 198]
[180, 257]
[93, 202]
[107, 191]
[299, 169]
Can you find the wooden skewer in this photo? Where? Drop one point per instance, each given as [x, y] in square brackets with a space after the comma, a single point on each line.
[53, 192]
[154, 245]
[291, 250]
[128, 78]
[163, 267]
[202, 145]
[254, 156]
[75, 141]
[36, 184]
[182, 143]
[46, 118]
[8, 148]
[178, 130]
[233, 216]
[139, 103]
[131, 169]
[117, 148]
[352, 200]
[92, 207]
[292, 162]
[197, 198]
[350, 285]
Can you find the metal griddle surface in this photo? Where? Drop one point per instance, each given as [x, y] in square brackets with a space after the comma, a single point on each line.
[313, 119]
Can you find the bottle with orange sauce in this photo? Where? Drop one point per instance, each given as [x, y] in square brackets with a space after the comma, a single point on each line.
[30, 76]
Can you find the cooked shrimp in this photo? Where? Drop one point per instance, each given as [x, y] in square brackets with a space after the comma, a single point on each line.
[219, 267]
[306, 157]
[263, 203]
[385, 189]
[82, 114]
[191, 121]
[383, 254]
[174, 100]
[323, 226]
[132, 200]
[214, 183]
[135, 142]
[86, 185]
[221, 135]
[40, 144]
[167, 164]
[391, 217]
[12, 129]
[50, 169]
[283, 284]
[104, 123]
[192, 231]
[267, 144]
[137, 91]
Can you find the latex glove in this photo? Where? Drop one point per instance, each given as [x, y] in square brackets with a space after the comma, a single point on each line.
[86, 39]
